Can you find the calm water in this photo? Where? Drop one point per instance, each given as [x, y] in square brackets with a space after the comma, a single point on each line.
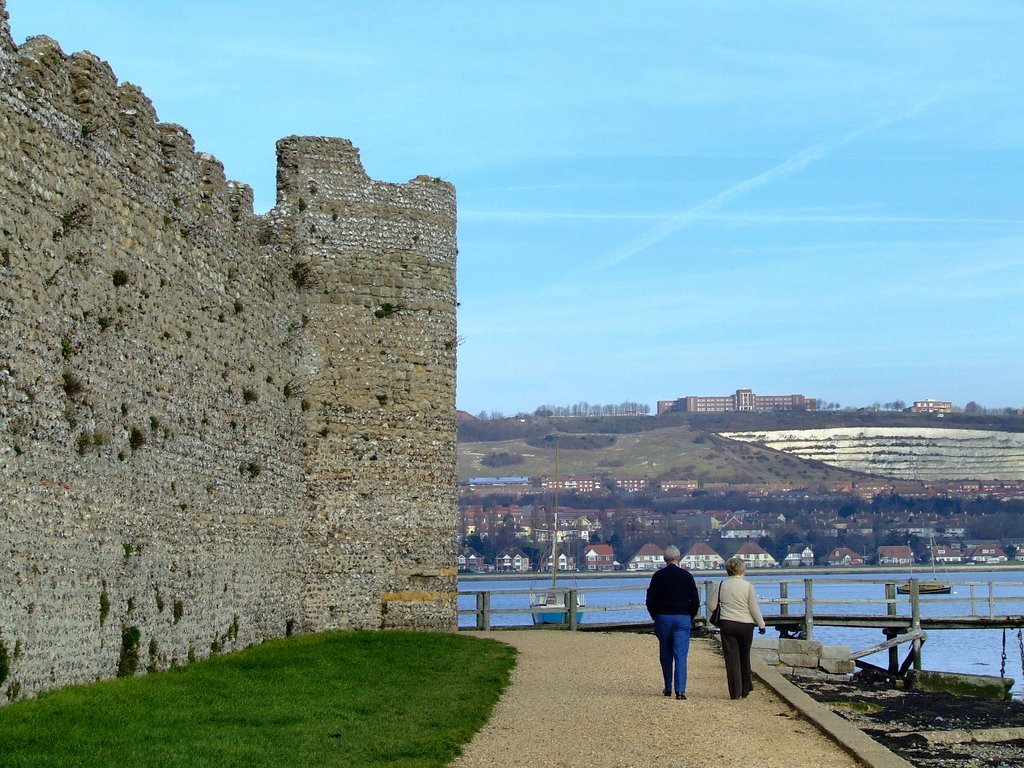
[974, 651]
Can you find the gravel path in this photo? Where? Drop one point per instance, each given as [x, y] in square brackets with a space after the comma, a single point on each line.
[594, 699]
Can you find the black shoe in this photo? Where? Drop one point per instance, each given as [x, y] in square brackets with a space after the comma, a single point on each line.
[681, 696]
[666, 692]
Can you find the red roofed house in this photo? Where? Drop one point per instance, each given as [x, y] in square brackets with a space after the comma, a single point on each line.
[754, 556]
[987, 553]
[901, 555]
[842, 556]
[945, 554]
[701, 557]
[512, 559]
[650, 557]
[599, 557]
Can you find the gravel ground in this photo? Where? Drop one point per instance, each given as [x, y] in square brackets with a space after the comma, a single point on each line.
[594, 699]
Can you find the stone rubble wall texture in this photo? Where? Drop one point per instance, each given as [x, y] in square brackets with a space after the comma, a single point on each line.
[215, 427]
[907, 453]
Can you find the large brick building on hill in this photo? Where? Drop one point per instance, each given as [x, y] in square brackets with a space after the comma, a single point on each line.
[740, 400]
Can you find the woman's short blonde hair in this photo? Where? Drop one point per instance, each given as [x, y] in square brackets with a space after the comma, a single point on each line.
[735, 566]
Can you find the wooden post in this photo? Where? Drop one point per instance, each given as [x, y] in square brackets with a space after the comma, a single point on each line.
[784, 598]
[808, 609]
[991, 600]
[890, 610]
[483, 610]
[915, 619]
[570, 606]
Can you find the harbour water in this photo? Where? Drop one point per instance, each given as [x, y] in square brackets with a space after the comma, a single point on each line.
[973, 651]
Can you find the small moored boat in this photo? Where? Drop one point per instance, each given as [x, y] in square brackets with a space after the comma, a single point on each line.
[926, 588]
[933, 586]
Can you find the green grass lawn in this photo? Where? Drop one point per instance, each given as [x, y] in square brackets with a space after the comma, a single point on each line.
[345, 699]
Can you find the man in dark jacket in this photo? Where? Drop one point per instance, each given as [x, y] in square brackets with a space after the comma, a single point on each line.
[673, 601]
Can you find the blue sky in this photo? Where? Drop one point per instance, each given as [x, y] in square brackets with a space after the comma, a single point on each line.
[656, 199]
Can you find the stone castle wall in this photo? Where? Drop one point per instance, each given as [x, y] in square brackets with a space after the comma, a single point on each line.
[215, 427]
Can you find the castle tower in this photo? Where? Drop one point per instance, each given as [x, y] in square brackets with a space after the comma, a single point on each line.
[376, 266]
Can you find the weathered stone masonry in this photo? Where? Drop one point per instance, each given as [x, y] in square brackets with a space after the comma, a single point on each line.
[215, 427]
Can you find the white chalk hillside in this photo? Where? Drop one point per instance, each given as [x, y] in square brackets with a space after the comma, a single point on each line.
[911, 453]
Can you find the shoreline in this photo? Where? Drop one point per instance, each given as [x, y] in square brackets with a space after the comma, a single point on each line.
[752, 572]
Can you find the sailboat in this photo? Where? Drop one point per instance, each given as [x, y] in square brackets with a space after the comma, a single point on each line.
[548, 604]
[933, 586]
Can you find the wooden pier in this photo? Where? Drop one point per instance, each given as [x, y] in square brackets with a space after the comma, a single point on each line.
[902, 618]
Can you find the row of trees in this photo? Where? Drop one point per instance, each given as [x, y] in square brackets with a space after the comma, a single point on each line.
[579, 410]
[631, 408]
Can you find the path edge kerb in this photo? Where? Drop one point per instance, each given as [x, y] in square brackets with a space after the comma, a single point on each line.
[848, 736]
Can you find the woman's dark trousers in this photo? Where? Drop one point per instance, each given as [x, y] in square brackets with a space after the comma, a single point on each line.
[737, 638]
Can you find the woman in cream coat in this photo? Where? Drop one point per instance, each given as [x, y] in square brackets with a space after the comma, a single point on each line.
[740, 613]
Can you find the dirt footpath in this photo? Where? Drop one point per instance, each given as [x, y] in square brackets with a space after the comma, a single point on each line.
[594, 699]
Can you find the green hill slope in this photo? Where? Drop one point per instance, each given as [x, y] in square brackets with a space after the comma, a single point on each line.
[681, 452]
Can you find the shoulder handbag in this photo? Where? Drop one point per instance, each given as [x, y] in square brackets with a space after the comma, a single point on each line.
[716, 615]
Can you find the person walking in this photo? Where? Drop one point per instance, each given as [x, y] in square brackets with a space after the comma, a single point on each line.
[673, 601]
[739, 614]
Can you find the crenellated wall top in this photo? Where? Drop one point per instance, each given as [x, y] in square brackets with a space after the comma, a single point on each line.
[312, 167]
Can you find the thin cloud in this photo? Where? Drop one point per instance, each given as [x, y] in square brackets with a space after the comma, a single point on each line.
[788, 167]
[466, 214]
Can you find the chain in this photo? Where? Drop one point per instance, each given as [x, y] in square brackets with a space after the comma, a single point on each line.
[1020, 642]
[1002, 660]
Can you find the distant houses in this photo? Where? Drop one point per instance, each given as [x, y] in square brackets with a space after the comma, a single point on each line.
[701, 556]
[798, 555]
[842, 557]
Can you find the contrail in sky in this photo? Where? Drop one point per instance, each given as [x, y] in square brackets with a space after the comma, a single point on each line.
[787, 167]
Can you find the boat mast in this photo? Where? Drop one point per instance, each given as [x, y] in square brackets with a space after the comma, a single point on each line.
[554, 525]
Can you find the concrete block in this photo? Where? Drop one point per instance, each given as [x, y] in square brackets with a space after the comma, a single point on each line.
[804, 660]
[803, 673]
[837, 666]
[766, 643]
[982, 686]
[767, 655]
[835, 652]
[789, 645]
